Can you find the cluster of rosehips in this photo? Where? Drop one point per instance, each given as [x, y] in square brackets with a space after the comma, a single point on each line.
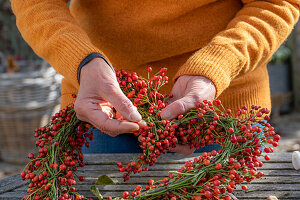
[146, 97]
[196, 128]
[58, 158]
[214, 173]
[52, 171]
[144, 93]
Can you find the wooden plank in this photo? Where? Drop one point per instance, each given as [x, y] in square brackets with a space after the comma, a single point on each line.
[281, 179]
[288, 176]
[165, 173]
[92, 159]
[264, 194]
[278, 172]
[265, 198]
[239, 194]
[164, 167]
[12, 195]
[7, 180]
[143, 180]
[10, 183]
[121, 188]
[255, 195]
[112, 174]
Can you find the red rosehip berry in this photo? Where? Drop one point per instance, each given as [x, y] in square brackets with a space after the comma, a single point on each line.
[163, 69]
[119, 164]
[233, 139]
[72, 189]
[151, 182]
[217, 182]
[165, 180]
[267, 150]
[237, 165]
[133, 194]
[217, 191]
[267, 118]
[218, 166]
[208, 194]
[218, 102]
[138, 188]
[30, 156]
[213, 152]
[206, 162]
[230, 130]
[125, 194]
[267, 157]
[133, 163]
[23, 174]
[198, 197]
[251, 165]
[216, 117]
[62, 167]
[244, 187]
[147, 187]
[231, 176]
[276, 138]
[275, 144]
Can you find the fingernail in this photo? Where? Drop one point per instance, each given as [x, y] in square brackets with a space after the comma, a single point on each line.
[135, 116]
[136, 128]
[142, 123]
[166, 114]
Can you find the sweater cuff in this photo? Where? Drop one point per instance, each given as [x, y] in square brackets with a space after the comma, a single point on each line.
[88, 59]
[68, 52]
[217, 63]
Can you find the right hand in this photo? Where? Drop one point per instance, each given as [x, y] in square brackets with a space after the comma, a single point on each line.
[98, 85]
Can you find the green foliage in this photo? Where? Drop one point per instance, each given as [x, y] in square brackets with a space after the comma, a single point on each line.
[105, 180]
[96, 192]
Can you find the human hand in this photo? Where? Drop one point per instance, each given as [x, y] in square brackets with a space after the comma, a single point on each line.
[98, 93]
[187, 92]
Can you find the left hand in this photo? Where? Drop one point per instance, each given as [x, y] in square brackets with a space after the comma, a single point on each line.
[187, 92]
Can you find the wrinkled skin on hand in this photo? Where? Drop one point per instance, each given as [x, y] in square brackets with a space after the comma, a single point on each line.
[187, 92]
[98, 94]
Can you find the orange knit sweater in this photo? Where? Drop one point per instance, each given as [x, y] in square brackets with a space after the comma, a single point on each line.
[227, 41]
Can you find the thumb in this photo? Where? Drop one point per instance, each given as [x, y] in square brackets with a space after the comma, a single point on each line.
[178, 107]
[183, 149]
[123, 105]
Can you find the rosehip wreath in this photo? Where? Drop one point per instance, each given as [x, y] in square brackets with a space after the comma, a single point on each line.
[52, 172]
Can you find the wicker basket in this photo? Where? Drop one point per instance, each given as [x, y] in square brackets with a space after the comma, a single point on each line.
[27, 100]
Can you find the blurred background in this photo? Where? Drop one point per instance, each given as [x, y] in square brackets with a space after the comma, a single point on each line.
[30, 93]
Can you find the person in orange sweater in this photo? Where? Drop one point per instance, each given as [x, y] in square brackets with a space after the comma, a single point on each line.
[212, 48]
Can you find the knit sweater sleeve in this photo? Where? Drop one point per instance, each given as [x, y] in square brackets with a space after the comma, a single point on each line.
[248, 41]
[49, 28]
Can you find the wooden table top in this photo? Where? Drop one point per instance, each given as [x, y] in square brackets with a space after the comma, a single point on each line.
[280, 179]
